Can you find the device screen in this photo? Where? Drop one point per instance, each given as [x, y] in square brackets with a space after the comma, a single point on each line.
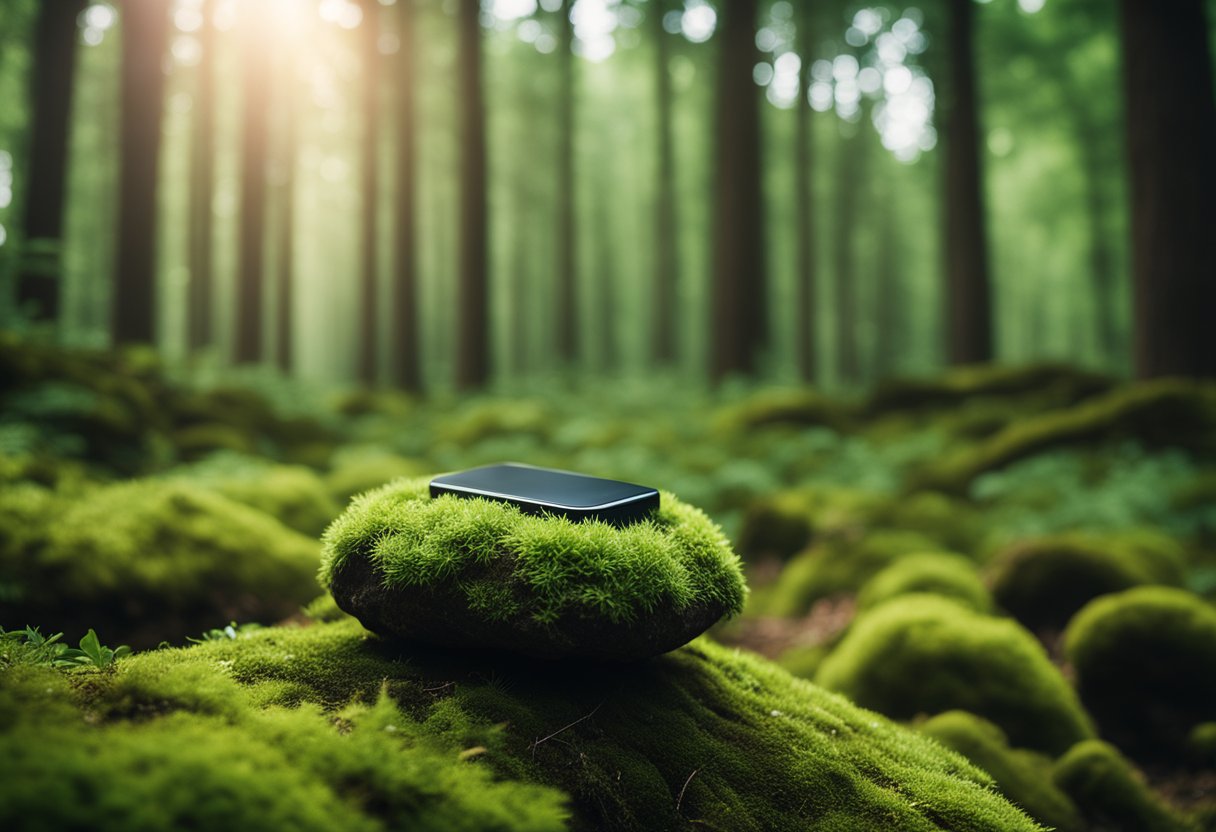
[548, 491]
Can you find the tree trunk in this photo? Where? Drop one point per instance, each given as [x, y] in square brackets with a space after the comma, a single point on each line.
[889, 301]
[804, 211]
[472, 348]
[664, 332]
[1171, 133]
[255, 85]
[605, 274]
[968, 303]
[285, 283]
[407, 361]
[369, 191]
[849, 180]
[739, 294]
[145, 29]
[54, 65]
[202, 185]
[567, 282]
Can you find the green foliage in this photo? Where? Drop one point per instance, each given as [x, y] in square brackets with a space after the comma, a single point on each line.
[1110, 793]
[149, 559]
[938, 573]
[1165, 413]
[962, 385]
[1149, 644]
[922, 654]
[1201, 744]
[1043, 582]
[1023, 776]
[324, 727]
[30, 647]
[677, 559]
[231, 631]
[362, 469]
[838, 566]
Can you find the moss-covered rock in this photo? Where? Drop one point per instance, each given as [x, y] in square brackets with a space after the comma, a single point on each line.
[922, 654]
[148, 560]
[1145, 663]
[840, 565]
[962, 384]
[1164, 413]
[1044, 581]
[480, 573]
[325, 727]
[937, 573]
[1023, 776]
[1110, 793]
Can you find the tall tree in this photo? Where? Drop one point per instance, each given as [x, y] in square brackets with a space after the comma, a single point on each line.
[54, 64]
[145, 30]
[407, 362]
[288, 144]
[850, 179]
[472, 347]
[255, 106]
[968, 294]
[664, 332]
[369, 194]
[740, 285]
[567, 260]
[804, 207]
[202, 188]
[1171, 133]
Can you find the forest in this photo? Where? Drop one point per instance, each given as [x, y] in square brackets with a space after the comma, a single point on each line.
[892, 321]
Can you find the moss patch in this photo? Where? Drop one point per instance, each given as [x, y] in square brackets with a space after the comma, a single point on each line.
[1111, 794]
[147, 560]
[937, 573]
[1042, 582]
[481, 573]
[1023, 776]
[350, 731]
[922, 654]
[1145, 661]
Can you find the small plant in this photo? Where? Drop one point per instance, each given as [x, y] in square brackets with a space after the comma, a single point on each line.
[228, 633]
[30, 646]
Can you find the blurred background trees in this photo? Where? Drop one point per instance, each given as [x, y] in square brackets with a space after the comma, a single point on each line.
[437, 193]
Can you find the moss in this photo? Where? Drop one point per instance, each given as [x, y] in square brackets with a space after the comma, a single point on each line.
[358, 470]
[962, 384]
[296, 496]
[1201, 744]
[482, 572]
[1165, 413]
[803, 660]
[781, 526]
[938, 573]
[150, 559]
[483, 420]
[782, 408]
[197, 441]
[1146, 645]
[359, 733]
[1110, 793]
[1044, 581]
[922, 654]
[1023, 776]
[838, 566]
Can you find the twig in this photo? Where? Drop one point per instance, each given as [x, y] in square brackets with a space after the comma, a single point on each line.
[680, 799]
[565, 728]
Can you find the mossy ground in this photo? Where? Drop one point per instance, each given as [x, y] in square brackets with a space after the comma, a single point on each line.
[337, 728]
[979, 461]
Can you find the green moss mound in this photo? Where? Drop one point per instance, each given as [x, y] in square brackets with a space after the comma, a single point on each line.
[936, 573]
[964, 384]
[1023, 776]
[1145, 662]
[1165, 413]
[1044, 581]
[778, 526]
[357, 471]
[839, 566]
[1111, 794]
[326, 727]
[148, 560]
[921, 654]
[480, 573]
[792, 408]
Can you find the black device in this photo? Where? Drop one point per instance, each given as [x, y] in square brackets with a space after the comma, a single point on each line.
[548, 491]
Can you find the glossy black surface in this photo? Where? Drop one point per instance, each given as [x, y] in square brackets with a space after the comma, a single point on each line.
[548, 491]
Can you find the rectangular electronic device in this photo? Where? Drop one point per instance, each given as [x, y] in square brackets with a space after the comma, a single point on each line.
[547, 491]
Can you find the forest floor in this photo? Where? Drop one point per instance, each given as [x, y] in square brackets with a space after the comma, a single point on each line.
[1010, 560]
